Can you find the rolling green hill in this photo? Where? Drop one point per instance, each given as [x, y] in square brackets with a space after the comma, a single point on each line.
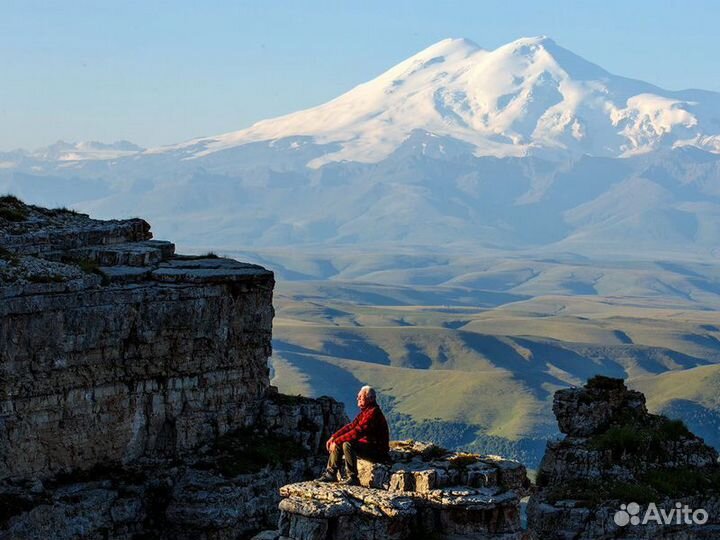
[468, 350]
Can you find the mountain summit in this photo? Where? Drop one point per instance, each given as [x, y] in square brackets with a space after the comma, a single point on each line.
[525, 146]
[529, 97]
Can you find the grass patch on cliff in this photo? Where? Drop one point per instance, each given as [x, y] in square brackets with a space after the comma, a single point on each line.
[89, 266]
[654, 486]
[245, 451]
[287, 399]
[635, 439]
[684, 481]
[600, 382]
[12, 208]
[46, 278]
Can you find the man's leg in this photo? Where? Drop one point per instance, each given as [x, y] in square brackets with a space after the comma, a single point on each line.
[333, 464]
[350, 456]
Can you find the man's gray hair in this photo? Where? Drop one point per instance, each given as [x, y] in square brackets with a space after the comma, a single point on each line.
[369, 391]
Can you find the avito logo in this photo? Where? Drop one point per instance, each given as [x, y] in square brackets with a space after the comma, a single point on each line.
[629, 514]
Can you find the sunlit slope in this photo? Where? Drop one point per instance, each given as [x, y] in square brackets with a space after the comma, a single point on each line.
[492, 367]
[491, 400]
[693, 395]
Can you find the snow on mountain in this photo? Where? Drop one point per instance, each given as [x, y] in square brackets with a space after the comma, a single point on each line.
[86, 150]
[566, 157]
[529, 97]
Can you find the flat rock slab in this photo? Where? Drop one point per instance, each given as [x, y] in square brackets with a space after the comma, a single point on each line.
[423, 490]
[145, 253]
[318, 499]
[203, 270]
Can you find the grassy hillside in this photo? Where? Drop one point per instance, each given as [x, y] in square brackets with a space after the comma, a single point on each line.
[468, 350]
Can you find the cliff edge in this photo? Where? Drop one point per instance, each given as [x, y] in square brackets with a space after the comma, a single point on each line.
[134, 391]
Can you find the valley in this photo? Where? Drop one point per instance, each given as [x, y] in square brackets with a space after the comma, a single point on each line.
[473, 361]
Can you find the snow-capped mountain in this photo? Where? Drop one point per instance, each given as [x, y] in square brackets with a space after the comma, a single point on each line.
[529, 97]
[65, 151]
[528, 145]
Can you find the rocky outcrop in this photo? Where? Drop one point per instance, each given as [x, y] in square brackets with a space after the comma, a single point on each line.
[615, 463]
[226, 489]
[118, 349]
[134, 390]
[424, 490]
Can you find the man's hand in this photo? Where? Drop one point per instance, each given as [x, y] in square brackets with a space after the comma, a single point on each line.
[329, 445]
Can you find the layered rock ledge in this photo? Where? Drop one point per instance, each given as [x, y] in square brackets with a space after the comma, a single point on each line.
[116, 348]
[135, 400]
[423, 491]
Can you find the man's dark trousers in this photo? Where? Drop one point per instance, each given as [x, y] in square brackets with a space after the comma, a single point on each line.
[350, 452]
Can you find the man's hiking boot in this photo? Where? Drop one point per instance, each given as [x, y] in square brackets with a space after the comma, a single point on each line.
[327, 476]
[350, 481]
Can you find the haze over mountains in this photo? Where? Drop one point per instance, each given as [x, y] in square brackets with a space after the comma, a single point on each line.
[526, 145]
[485, 226]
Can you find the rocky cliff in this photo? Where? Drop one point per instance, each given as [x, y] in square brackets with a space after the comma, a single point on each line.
[135, 403]
[619, 468]
[115, 348]
[134, 390]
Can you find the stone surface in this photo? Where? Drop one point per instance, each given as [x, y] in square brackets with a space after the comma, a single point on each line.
[128, 378]
[582, 412]
[198, 497]
[423, 490]
[135, 403]
[97, 369]
[616, 453]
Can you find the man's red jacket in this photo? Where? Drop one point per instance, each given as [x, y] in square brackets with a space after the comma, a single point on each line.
[369, 427]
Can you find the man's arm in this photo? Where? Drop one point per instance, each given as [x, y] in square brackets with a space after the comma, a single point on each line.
[345, 428]
[362, 422]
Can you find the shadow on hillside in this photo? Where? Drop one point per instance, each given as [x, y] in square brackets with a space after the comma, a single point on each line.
[503, 356]
[699, 419]
[355, 347]
[535, 372]
[327, 379]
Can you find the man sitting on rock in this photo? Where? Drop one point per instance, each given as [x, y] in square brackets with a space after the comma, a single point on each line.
[367, 437]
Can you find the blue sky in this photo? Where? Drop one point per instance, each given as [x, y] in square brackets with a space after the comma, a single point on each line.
[162, 72]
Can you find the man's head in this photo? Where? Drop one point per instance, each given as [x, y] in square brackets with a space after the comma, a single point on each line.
[366, 396]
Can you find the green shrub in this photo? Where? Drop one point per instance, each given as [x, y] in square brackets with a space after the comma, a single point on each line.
[591, 493]
[12, 208]
[635, 439]
[285, 399]
[626, 491]
[8, 256]
[621, 440]
[672, 430]
[10, 200]
[12, 214]
[681, 482]
[88, 266]
[433, 451]
[245, 451]
[600, 382]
